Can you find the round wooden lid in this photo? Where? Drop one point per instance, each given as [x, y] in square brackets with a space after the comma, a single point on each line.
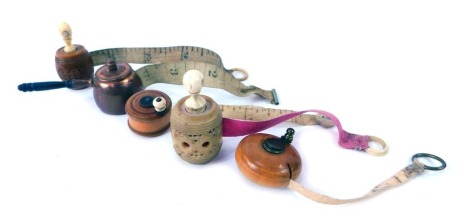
[79, 51]
[274, 169]
[113, 71]
[139, 105]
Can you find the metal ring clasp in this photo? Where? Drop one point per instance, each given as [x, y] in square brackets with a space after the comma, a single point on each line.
[377, 152]
[441, 167]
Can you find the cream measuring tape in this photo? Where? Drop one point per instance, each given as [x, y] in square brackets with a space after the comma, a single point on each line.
[168, 65]
[414, 169]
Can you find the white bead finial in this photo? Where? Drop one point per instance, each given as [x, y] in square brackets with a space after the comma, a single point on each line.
[66, 33]
[192, 82]
[159, 103]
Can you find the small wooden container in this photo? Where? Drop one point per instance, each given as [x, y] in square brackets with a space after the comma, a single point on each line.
[196, 123]
[265, 167]
[197, 137]
[144, 119]
[72, 61]
[77, 64]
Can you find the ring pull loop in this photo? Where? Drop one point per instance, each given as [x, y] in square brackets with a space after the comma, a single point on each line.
[242, 71]
[377, 152]
[431, 156]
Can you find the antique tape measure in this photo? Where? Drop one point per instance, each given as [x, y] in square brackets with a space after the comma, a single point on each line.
[164, 65]
[272, 161]
[197, 130]
[198, 123]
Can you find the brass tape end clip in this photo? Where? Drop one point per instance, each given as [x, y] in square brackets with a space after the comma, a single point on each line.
[275, 99]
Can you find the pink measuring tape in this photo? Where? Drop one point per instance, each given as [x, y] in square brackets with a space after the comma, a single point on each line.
[237, 127]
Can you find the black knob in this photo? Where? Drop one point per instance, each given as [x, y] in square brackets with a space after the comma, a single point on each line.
[146, 101]
[277, 145]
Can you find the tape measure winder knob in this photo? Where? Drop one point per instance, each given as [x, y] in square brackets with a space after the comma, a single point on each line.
[269, 160]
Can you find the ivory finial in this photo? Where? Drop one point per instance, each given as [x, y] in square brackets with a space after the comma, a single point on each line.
[159, 103]
[192, 82]
[66, 33]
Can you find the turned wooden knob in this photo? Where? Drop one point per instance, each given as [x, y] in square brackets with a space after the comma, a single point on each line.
[268, 160]
[72, 61]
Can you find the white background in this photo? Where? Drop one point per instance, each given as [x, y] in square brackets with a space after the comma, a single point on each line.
[394, 69]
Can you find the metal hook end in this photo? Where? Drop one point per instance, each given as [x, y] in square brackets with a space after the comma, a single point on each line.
[275, 99]
[431, 156]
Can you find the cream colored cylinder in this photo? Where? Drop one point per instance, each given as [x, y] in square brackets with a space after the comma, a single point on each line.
[196, 123]
[197, 137]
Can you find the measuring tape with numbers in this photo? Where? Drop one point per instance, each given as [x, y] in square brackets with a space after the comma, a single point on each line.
[414, 169]
[168, 65]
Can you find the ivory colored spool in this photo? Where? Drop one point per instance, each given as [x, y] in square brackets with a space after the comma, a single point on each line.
[77, 64]
[143, 118]
[197, 137]
[266, 168]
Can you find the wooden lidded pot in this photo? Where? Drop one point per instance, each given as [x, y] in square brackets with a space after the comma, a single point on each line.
[269, 160]
[72, 61]
[149, 112]
[113, 84]
[77, 64]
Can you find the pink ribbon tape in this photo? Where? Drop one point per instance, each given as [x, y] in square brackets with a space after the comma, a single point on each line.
[235, 127]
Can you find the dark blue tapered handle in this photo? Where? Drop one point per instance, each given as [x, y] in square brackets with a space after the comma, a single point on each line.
[50, 85]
